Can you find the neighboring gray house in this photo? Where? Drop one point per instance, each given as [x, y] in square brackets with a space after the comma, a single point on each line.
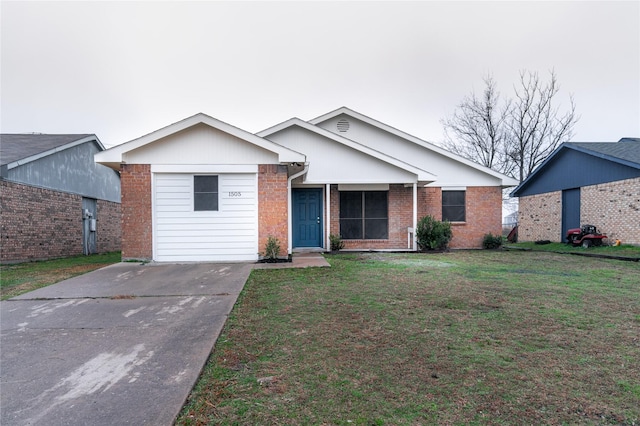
[595, 183]
[55, 201]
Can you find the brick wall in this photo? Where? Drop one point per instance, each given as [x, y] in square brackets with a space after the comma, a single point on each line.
[137, 232]
[38, 223]
[272, 206]
[614, 208]
[430, 202]
[109, 231]
[540, 217]
[484, 215]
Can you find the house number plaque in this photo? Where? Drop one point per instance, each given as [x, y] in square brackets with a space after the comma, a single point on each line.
[235, 194]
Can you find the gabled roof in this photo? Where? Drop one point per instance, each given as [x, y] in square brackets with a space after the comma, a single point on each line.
[18, 149]
[112, 157]
[506, 180]
[625, 152]
[423, 175]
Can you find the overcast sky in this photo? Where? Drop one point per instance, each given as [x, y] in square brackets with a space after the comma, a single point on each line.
[124, 69]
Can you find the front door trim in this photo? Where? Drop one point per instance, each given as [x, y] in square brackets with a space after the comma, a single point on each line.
[307, 217]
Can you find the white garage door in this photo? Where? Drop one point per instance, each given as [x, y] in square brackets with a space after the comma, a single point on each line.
[218, 226]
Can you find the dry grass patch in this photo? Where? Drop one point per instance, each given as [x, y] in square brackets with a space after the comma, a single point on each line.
[482, 337]
[19, 278]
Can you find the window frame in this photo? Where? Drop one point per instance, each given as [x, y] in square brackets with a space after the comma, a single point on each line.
[451, 206]
[363, 218]
[195, 194]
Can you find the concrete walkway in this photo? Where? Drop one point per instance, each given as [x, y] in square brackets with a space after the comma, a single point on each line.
[121, 345]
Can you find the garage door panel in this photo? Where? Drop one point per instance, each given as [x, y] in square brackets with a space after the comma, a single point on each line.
[204, 234]
[228, 234]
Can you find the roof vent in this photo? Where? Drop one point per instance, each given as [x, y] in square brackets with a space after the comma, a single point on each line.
[342, 125]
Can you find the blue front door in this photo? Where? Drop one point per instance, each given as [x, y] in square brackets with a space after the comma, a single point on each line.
[307, 217]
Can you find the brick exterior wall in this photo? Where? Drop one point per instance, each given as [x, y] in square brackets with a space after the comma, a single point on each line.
[483, 215]
[137, 223]
[614, 208]
[38, 223]
[272, 206]
[540, 217]
[109, 230]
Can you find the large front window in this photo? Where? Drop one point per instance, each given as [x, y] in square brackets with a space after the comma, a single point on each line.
[364, 215]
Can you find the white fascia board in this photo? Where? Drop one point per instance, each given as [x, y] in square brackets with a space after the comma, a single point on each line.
[22, 161]
[114, 155]
[422, 175]
[506, 180]
[204, 168]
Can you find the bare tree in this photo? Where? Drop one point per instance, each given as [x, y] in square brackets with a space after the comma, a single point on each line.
[510, 136]
[536, 126]
[477, 128]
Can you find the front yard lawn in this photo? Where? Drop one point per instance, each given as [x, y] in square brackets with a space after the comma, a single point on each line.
[19, 278]
[466, 337]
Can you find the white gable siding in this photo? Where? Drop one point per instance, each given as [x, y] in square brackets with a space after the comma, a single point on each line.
[200, 144]
[333, 162]
[449, 172]
[182, 234]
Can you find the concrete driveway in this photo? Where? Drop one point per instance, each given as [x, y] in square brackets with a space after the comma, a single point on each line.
[121, 345]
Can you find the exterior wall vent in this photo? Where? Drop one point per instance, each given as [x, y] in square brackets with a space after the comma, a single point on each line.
[342, 125]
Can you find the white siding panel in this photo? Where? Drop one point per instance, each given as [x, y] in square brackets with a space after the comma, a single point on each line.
[182, 234]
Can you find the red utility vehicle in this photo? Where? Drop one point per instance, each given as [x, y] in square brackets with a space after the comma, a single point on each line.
[586, 236]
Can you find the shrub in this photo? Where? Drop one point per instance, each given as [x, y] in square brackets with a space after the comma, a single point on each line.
[336, 242]
[432, 234]
[272, 248]
[491, 241]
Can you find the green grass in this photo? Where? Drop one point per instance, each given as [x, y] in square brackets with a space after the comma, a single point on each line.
[19, 278]
[468, 337]
[624, 250]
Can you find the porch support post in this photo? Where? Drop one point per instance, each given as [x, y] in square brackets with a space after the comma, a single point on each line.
[415, 215]
[327, 208]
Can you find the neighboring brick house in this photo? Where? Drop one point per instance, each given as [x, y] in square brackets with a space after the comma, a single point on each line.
[55, 201]
[203, 190]
[595, 183]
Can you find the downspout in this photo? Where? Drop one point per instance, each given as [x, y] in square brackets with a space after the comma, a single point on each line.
[415, 215]
[289, 219]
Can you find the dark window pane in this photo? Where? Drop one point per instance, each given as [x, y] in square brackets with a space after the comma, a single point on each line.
[375, 205]
[204, 201]
[351, 204]
[453, 198]
[205, 193]
[370, 205]
[351, 229]
[453, 213]
[205, 183]
[376, 229]
[453, 206]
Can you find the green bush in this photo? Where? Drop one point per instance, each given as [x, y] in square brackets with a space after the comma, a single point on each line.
[272, 248]
[491, 241]
[336, 242]
[432, 234]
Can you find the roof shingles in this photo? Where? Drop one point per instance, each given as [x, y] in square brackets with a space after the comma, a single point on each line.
[15, 147]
